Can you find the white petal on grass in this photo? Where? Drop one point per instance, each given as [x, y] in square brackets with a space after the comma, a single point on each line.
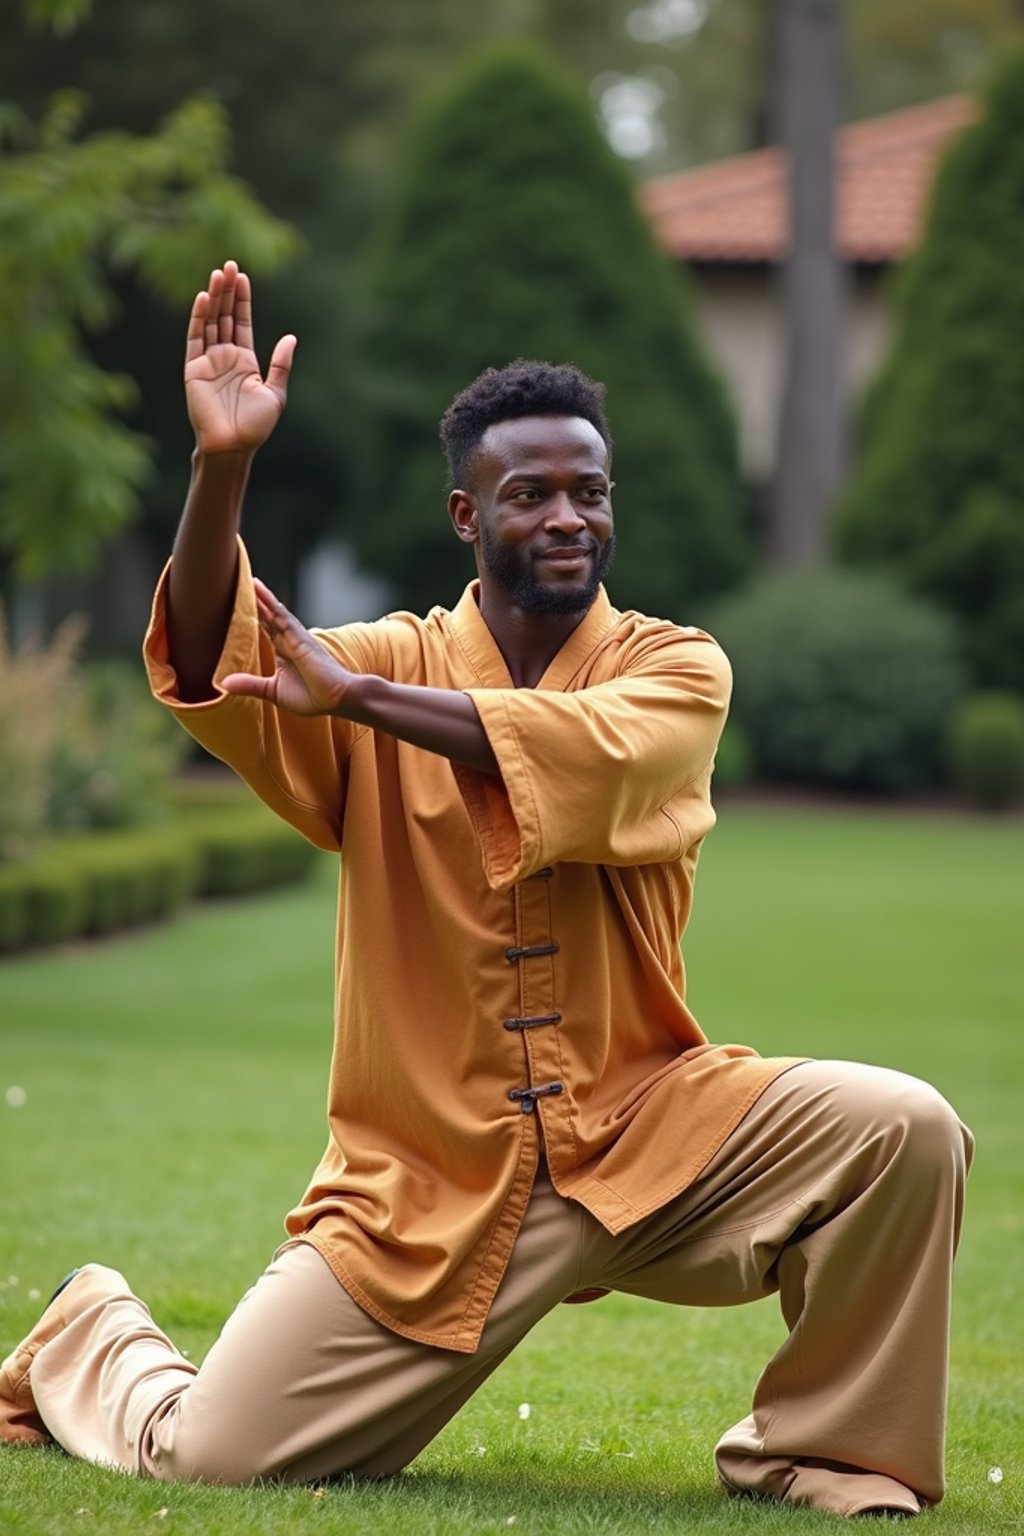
[12, 1280]
[524, 1410]
[995, 1474]
[34, 1295]
[16, 1096]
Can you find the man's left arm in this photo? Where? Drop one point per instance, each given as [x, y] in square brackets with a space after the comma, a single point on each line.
[587, 776]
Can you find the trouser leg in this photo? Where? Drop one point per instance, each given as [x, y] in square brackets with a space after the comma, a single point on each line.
[301, 1384]
[842, 1189]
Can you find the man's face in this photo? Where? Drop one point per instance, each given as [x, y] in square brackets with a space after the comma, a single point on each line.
[542, 498]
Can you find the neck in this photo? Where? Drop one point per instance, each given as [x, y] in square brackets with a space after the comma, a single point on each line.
[528, 642]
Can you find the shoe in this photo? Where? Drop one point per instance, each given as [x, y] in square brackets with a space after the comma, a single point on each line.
[828, 1487]
[65, 1283]
[20, 1422]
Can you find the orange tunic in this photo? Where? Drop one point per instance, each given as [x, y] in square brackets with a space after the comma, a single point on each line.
[508, 961]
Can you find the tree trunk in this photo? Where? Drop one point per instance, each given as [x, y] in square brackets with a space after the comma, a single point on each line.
[811, 454]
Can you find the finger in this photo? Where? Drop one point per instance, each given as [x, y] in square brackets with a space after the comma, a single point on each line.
[243, 314]
[270, 610]
[288, 635]
[264, 594]
[280, 368]
[226, 322]
[211, 329]
[195, 336]
[276, 619]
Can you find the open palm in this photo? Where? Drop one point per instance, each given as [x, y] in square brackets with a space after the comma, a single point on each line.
[307, 679]
[231, 406]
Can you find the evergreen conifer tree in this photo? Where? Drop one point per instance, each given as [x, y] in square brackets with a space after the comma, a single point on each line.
[939, 491]
[514, 233]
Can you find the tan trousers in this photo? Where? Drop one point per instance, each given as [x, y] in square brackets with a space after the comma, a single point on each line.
[841, 1189]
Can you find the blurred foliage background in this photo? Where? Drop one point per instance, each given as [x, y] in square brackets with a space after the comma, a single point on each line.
[419, 191]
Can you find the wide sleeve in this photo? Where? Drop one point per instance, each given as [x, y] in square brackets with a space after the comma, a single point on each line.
[297, 766]
[615, 773]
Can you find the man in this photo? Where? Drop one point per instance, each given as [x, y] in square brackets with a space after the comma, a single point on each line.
[522, 1109]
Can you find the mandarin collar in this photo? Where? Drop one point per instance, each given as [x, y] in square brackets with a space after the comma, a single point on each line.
[480, 648]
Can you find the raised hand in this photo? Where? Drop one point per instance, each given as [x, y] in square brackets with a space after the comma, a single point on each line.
[308, 680]
[231, 407]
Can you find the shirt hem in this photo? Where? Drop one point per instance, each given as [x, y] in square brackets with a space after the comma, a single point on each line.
[626, 1213]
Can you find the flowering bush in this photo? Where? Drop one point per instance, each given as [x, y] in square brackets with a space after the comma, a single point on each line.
[80, 747]
[114, 755]
[36, 686]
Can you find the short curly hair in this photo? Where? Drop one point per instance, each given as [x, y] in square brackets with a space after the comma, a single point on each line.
[523, 388]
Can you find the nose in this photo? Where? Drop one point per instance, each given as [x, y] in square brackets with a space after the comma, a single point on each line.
[563, 515]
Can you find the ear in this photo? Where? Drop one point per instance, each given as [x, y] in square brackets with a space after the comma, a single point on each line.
[462, 510]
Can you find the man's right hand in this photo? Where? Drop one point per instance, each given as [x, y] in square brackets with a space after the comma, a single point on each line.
[231, 407]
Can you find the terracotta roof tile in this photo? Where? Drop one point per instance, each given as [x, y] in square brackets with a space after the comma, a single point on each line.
[735, 210]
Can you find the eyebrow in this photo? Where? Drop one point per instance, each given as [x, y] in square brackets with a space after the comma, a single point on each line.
[525, 477]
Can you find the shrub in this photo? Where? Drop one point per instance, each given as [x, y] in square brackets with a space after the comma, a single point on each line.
[986, 749]
[79, 747]
[115, 754]
[515, 233]
[840, 680]
[133, 877]
[938, 495]
[56, 902]
[241, 846]
[734, 760]
[250, 853]
[14, 920]
[95, 884]
[35, 691]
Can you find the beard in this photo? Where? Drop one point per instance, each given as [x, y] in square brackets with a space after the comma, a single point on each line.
[514, 572]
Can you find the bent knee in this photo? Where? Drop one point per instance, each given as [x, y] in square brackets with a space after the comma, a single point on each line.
[933, 1126]
[905, 1111]
[929, 1131]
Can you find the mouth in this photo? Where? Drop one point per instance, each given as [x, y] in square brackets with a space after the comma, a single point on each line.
[566, 557]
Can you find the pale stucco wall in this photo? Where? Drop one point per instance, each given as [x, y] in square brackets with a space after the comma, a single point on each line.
[740, 321]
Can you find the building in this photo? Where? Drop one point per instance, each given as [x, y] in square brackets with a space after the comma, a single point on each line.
[728, 223]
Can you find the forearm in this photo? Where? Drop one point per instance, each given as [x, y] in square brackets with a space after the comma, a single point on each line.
[204, 570]
[439, 720]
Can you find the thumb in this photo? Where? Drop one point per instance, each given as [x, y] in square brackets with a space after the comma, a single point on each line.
[280, 368]
[247, 685]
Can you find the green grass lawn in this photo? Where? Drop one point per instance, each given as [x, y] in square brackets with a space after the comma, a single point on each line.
[174, 1089]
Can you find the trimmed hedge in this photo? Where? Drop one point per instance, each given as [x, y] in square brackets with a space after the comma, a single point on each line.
[219, 844]
[986, 749]
[248, 852]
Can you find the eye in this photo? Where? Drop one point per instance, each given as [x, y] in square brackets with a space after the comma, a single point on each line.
[526, 493]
